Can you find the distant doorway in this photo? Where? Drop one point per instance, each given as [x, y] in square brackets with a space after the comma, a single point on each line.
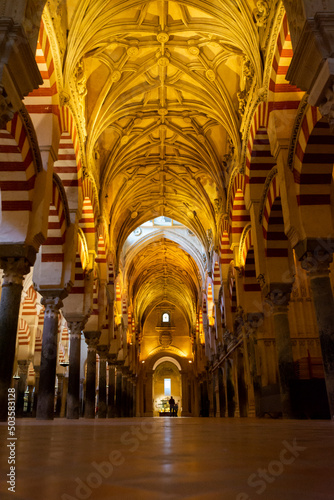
[166, 383]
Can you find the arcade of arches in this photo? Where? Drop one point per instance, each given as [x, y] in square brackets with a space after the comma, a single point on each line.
[167, 212]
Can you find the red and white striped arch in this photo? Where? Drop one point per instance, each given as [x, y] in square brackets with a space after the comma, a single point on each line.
[23, 333]
[17, 180]
[313, 164]
[276, 242]
[52, 249]
[283, 95]
[247, 260]
[29, 304]
[101, 258]
[216, 280]
[238, 214]
[44, 100]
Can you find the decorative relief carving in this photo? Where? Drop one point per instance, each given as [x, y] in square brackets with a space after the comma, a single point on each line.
[261, 13]
[14, 270]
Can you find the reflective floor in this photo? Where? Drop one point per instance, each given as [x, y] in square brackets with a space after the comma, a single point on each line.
[155, 458]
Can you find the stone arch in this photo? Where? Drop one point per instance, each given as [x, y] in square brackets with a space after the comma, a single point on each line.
[18, 173]
[313, 170]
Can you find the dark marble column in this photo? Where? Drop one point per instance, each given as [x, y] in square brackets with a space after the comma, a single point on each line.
[130, 398]
[103, 353]
[318, 271]
[125, 399]
[64, 397]
[60, 378]
[119, 394]
[23, 366]
[46, 392]
[73, 391]
[278, 299]
[92, 340]
[30, 400]
[14, 270]
[111, 391]
[37, 374]
[252, 323]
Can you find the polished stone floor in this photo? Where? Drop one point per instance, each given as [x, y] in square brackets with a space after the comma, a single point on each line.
[153, 459]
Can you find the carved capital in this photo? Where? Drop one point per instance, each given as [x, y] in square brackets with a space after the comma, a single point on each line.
[92, 339]
[6, 108]
[13, 270]
[317, 263]
[327, 107]
[23, 365]
[75, 328]
[52, 306]
[102, 351]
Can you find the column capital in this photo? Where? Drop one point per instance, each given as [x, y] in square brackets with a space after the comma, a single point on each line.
[76, 324]
[102, 351]
[92, 339]
[278, 297]
[52, 305]
[23, 365]
[13, 270]
[317, 263]
[112, 358]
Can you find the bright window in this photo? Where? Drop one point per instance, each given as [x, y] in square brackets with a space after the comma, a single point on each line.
[165, 318]
[167, 386]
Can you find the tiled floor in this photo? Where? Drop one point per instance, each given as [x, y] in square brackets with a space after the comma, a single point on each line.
[153, 459]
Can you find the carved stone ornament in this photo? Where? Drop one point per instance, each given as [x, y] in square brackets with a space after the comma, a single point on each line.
[317, 263]
[52, 306]
[165, 339]
[75, 328]
[261, 13]
[14, 270]
[6, 109]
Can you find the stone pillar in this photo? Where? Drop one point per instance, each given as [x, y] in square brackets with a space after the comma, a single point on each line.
[37, 373]
[278, 299]
[64, 398]
[92, 340]
[30, 399]
[73, 391]
[134, 399]
[184, 386]
[125, 402]
[103, 353]
[46, 392]
[119, 392]
[60, 377]
[23, 366]
[111, 391]
[130, 398]
[14, 270]
[318, 272]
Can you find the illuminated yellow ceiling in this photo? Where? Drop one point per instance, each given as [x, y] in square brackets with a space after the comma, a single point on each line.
[161, 84]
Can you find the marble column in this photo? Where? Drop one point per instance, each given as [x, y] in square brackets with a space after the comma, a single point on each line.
[73, 390]
[119, 392]
[63, 397]
[278, 299]
[111, 391]
[92, 340]
[37, 374]
[130, 398]
[23, 366]
[318, 271]
[103, 353]
[46, 392]
[12, 283]
[60, 377]
[30, 399]
[125, 402]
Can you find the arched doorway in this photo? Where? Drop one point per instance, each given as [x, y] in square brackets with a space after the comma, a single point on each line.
[166, 383]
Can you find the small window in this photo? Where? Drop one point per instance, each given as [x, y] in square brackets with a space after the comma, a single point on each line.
[167, 386]
[165, 318]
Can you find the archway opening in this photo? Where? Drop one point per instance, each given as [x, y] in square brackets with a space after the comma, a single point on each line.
[166, 383]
